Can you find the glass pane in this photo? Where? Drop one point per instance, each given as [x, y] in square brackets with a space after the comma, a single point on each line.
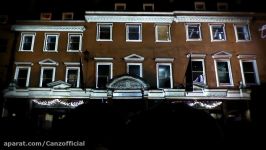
[250, 78]
[248, 67]
[105, 32]
[134, 70]
[218, 32]
[47, 77]
[51, 41]
[164, 76]
[133, 33]
[103, 75]
[72, 77]
[27, 43]
[22, 77]
[193, 32]
[163, 33]
[197, 71]
[223, 73]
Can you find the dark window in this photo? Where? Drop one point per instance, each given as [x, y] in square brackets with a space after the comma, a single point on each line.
[104, 32]
[223, 72]
[243, 32]
[164, 76]
[197, 72]
[51, 42]
[74, 42]
[47, 77]
[134, 32]
[249, 72]
[3, 45]
[103, 75]
[22, 77]
[134, 70]
[72, 77]
[27, 42]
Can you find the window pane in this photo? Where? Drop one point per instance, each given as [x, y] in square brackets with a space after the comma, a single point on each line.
[47, 77]
[103, 75]
[134, 70]
[72, 77]
[197, 71]
[193, 32]
[223, 73]
[249, 72]
[50, 43]
[22, 77]
[164, 76]
[27, 43]
[243, 33]
[218, 33]
[163, 33]
[74, 43]
[105, 32]
[133, 33]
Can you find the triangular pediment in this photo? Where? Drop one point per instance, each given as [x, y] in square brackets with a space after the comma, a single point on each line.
[48, 62]
[59, 85]
[133, 57]
[222, 54]
[127, 82]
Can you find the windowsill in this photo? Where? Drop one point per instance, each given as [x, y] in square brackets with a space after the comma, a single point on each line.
[73, 51]
[242, 41]
[158, 41]
[133, 40]
[25, 50]
[49, 51]
[218, 40]
[99, 40]
[194, 40]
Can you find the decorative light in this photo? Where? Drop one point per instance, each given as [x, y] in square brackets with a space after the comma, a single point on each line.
[206, 105]
[57, 101]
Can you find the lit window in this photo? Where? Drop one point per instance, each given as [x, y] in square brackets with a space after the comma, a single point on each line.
[72, 76]
[67, 16]
[249, 72]
[22, 76]
[134, 69]
[163, 33]
[46, 16]
[242, 33]
[51, 42]
[133, 32]
[193, 32]
[222, 6]
[27, 41]
[120, 6]
[200, 6]
[148, 7]
[74, 42]
[223, 72]
[217, 32]
[164, 75]
[104, 74]
[47, 76]
[198, 71]
[104, 32]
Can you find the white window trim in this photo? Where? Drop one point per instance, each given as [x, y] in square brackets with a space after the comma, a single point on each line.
[80, 41]
[203, 66]
[148, 5]
[187, 36]
[255, 67]
[136, 64]
[221, 24]
[229, 69]
[156, 32]
[28, 75]
[72, 63]
[134, 58]
[140, 32]
[241, 25]
[49, 62]
[219, 4]
[103, 63]
[73, 68]
[23, 34]
[56, 43]
[157, 73]
[41, 77]
[200, 3]
[67, 13]
[98, 32]
[43, 18]
[120, 4]
[164, 59]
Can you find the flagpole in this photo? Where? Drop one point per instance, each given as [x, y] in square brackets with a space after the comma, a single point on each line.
[81, 80]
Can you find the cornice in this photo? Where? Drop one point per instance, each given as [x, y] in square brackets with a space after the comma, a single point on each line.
[47, 28]
[210, 19]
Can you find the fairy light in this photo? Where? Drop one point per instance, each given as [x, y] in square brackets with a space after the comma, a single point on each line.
[204, 105]
[57, 101]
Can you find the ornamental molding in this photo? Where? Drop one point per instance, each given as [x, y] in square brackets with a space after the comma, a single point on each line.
[23, 63]
[103, 58]
[164, 59]
[47, 28]
[134, 58]
[246, 56]
[48, 62]
[193, 55]
[220, 19]
[222, 54]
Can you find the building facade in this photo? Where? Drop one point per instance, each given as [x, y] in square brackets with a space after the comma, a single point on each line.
[136, 56]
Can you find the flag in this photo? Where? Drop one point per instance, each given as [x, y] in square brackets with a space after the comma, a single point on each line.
[189, 80]
[81, 78]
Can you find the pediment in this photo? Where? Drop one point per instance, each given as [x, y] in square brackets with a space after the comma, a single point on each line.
[59, 85]
[127, 82]
[222, 54]
[134, 57]
[48, 62]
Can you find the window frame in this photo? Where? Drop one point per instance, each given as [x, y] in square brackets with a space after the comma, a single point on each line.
[236, 33]
[46, 18]
[124, 5]
[230, 73]
[224, 32]
[187, 32]
[148, 5]
[157, 33]
[196, 4]
[78, 77]
[127, 32]
[41, 76]
[255, 67]
[28, 74]
[98, 31]
[22, 40]
[203, 68]
[157, 74]
[56, 43]
[104, 63]
[219, 4]
[80, 35]
[64, 14]
[135, 64]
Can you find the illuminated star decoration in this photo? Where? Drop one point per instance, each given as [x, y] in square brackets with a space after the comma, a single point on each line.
[57, 101]
[205, 105]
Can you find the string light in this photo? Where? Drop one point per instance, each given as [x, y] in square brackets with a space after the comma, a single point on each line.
[204, 105]
[57, 101]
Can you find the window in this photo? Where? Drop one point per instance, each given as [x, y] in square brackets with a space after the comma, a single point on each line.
[47, 76]
[120, 6]
[67, 16]
[3, 19]
[104, 32]
[148, 7]
[222, 6]
[249, 72]
[163, 33]
[242, 33]
[223, 73]
[104, 74]
[3, 44]
[72, 76]
[46, 16]
[51, 42]
[134, 69]
[198, 71]
[164, 75]
[217, 32]
[74, 42]
[22, 76]
[27, 41]
[193, 32]
[133, 32]
[200, 6]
